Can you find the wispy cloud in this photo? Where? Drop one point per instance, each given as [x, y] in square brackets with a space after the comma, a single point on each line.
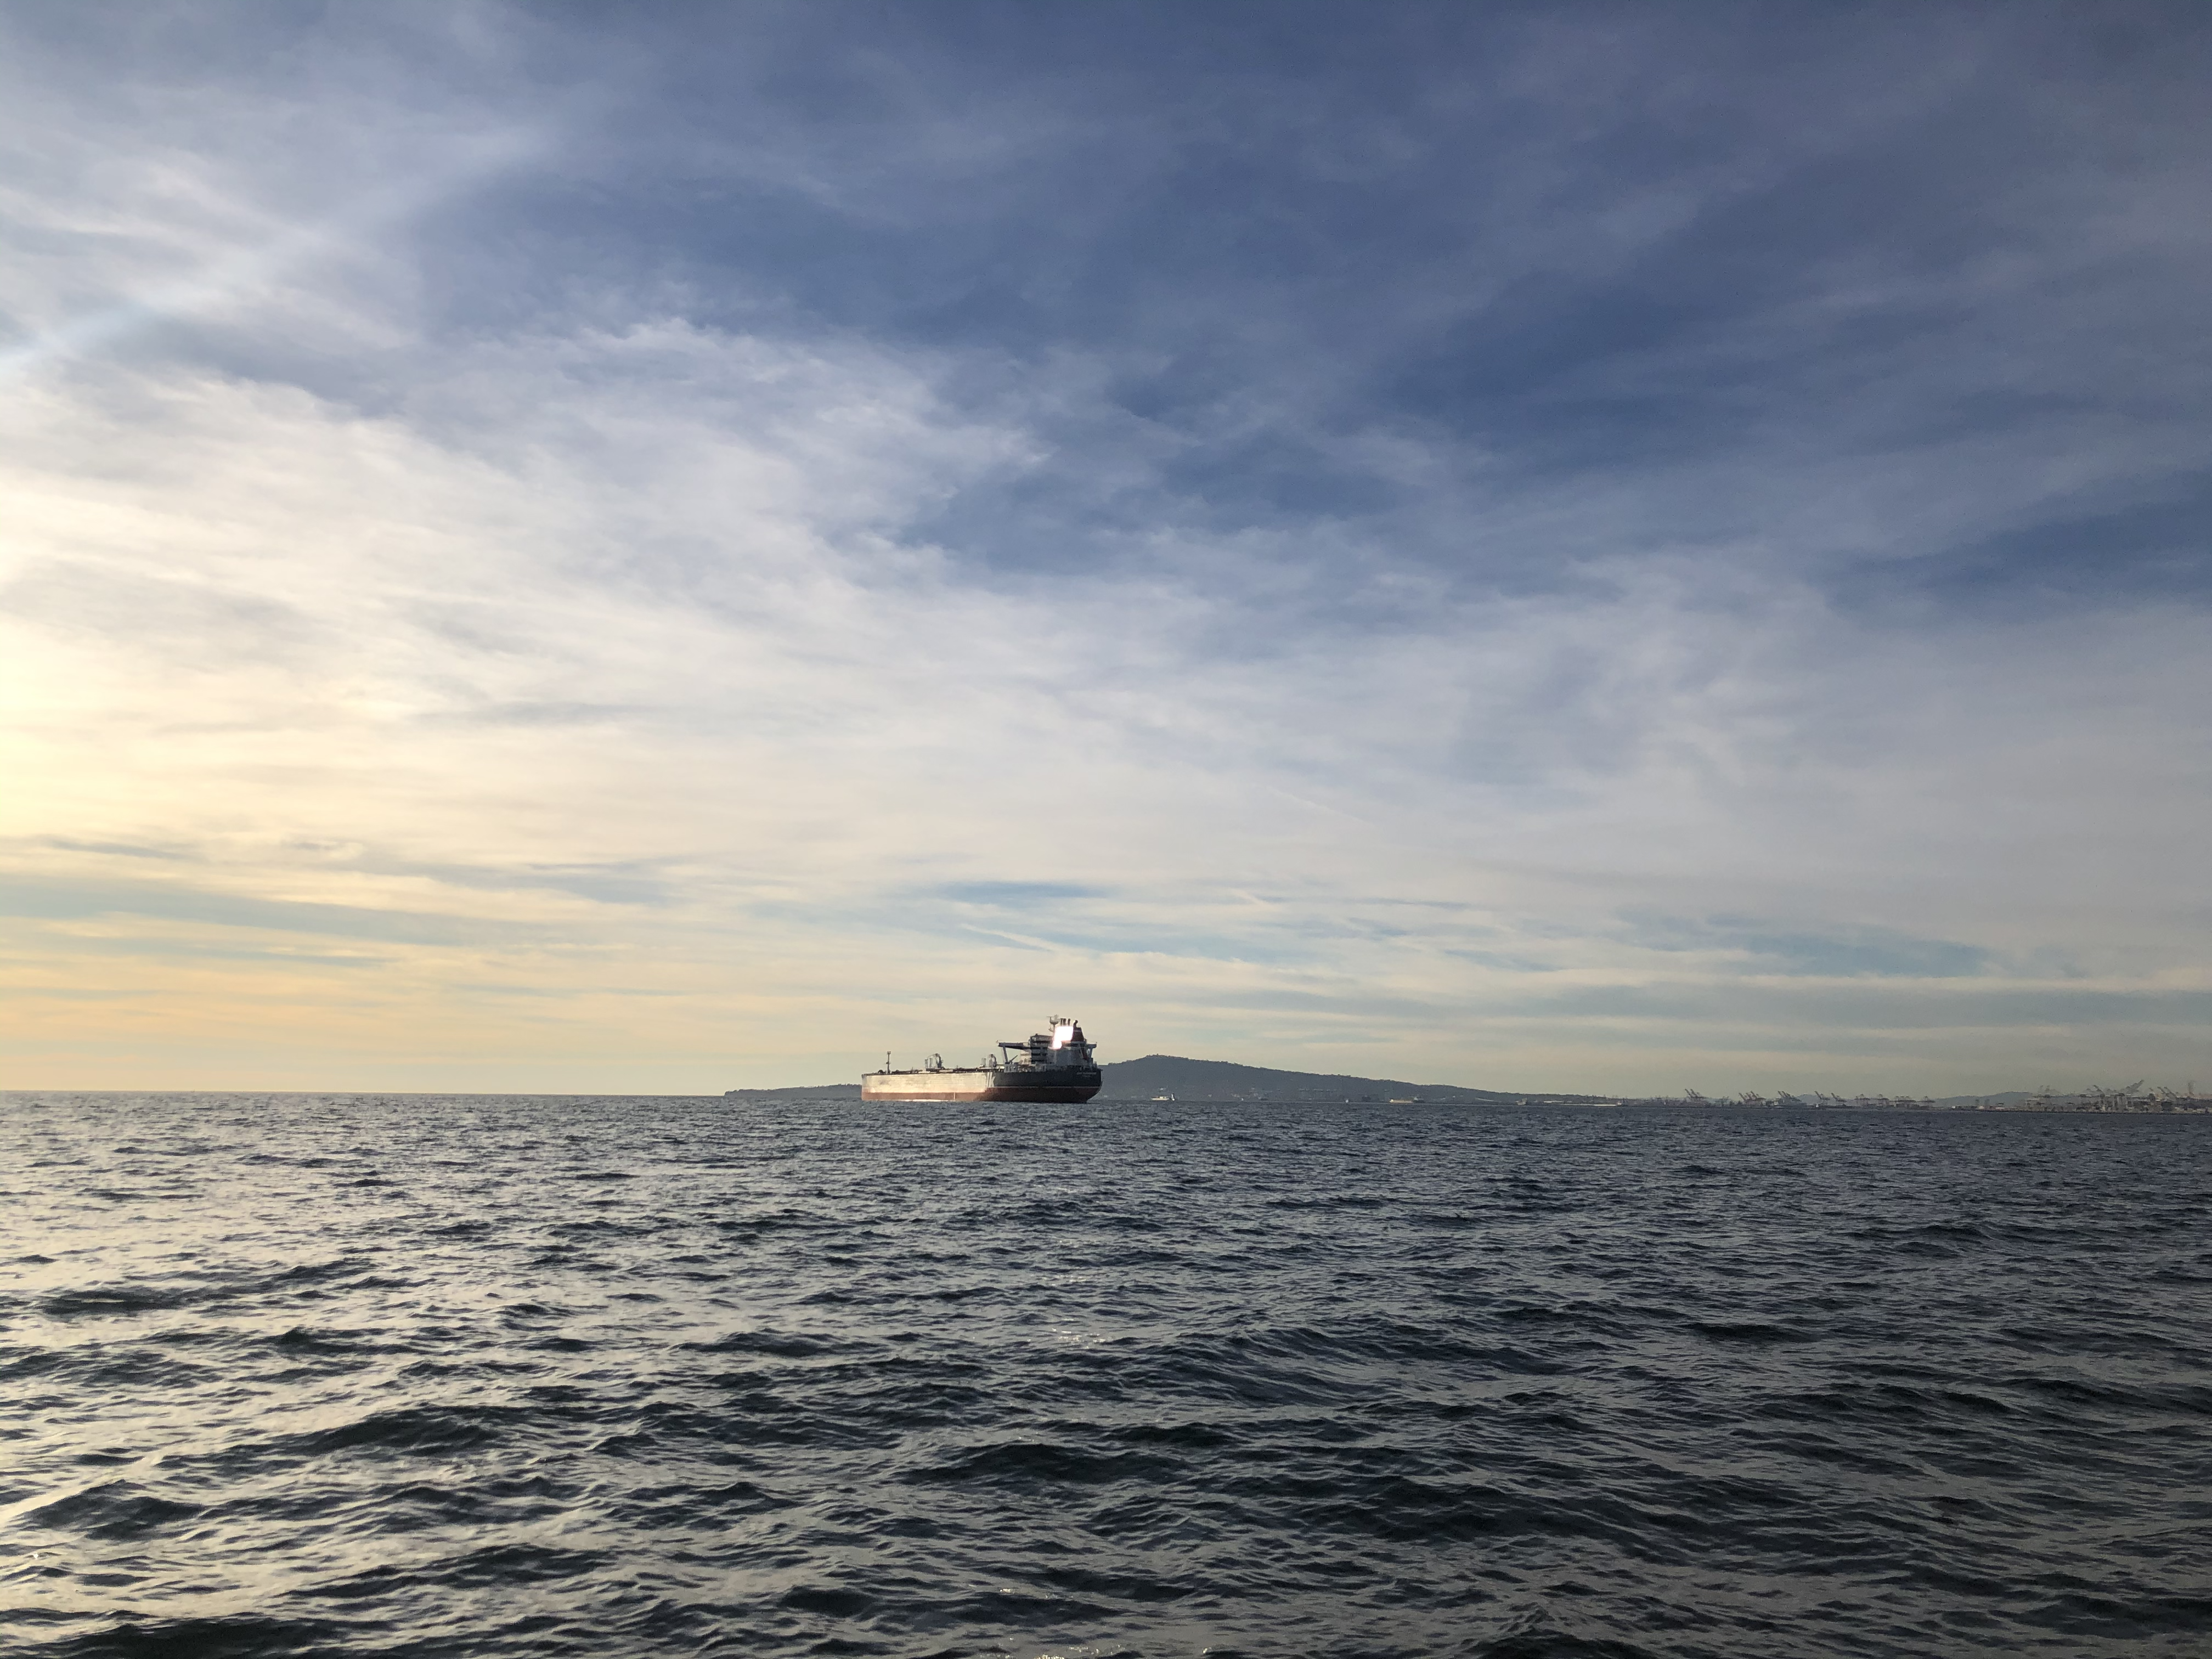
[1763, 946]
[1285, 549]
[261, 270]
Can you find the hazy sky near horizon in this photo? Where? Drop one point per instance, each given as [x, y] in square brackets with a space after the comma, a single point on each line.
[661, 548]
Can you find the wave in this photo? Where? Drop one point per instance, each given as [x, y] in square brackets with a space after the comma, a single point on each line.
[510, 1378]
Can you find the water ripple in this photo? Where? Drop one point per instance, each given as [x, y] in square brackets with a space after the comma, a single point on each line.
[292, 1375]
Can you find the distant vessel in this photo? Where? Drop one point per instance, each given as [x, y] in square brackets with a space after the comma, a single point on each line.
[1051, 1066]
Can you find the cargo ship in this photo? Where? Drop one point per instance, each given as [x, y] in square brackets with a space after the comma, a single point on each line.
[1054, 1066]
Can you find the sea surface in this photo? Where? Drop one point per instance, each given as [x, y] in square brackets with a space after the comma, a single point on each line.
[413, 1376]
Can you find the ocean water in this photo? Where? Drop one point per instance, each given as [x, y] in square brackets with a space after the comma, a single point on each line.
[409, 1376]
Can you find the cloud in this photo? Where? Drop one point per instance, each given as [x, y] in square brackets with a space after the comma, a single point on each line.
[187, 620]
[1879, 951]
[1290, 545]
[1016, 895]
[69, 901]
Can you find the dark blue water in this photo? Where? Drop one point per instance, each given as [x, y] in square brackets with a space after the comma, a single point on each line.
[294, 1375]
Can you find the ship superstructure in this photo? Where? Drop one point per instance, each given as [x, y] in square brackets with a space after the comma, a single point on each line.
[1058, 1064]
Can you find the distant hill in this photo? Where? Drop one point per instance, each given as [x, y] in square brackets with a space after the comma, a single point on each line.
[1219, 1079]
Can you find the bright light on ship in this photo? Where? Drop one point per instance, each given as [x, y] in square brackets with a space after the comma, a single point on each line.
[1061, 1035]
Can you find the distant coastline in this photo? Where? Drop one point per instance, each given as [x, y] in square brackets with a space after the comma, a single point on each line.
[2134, 1098]
[1172, 1077]
[1158, 1077]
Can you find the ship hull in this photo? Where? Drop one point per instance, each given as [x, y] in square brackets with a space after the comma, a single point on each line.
[979, 1085]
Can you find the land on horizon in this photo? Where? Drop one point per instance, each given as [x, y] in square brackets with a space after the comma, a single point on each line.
[1154, 1077]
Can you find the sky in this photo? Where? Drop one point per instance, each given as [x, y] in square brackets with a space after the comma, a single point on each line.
[1615, 548]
